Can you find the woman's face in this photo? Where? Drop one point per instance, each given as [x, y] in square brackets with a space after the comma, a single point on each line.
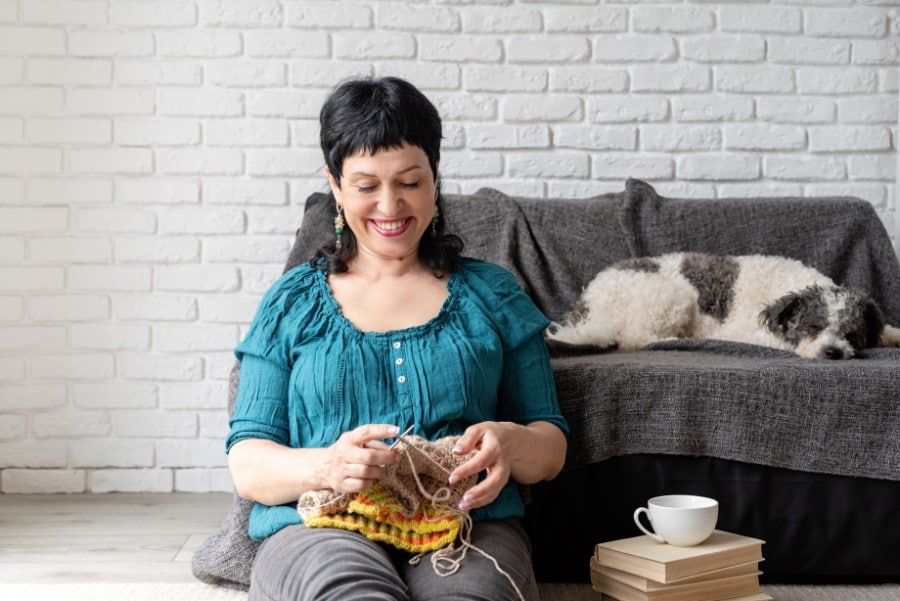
[388, 200]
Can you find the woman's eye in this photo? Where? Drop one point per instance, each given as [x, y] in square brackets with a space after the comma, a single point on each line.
[365, 188]
[409, 185]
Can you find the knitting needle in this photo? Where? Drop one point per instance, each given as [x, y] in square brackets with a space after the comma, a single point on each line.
[400, 437]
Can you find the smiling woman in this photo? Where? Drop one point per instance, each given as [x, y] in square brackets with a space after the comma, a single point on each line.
[389, 328]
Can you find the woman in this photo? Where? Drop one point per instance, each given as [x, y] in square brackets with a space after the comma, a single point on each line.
[389, 327]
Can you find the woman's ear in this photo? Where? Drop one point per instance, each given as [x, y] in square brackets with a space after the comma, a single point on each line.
[335, 186]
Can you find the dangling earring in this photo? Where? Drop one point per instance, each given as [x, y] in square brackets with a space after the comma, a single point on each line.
[434, 222]
[338, 228]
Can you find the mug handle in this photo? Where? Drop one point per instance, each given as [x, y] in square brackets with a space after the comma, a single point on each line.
[637, 520]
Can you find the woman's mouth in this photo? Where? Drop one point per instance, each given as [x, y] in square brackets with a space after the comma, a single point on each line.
[391, 227]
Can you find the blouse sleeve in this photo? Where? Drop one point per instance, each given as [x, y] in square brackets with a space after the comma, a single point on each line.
[261, 408]
[527, 389]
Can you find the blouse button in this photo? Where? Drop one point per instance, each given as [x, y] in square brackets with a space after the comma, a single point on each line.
[401, 379]
[399, 360]
[396, 345]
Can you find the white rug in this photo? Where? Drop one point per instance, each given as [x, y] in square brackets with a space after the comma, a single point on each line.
[197, 591]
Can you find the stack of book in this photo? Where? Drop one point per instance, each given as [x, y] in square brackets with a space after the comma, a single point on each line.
[726, 566]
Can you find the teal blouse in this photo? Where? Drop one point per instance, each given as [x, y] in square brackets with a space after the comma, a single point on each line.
[308, 374]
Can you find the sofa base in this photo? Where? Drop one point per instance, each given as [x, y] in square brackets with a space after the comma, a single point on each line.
[817, 527]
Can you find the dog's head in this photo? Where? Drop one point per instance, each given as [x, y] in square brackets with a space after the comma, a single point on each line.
[825, 323]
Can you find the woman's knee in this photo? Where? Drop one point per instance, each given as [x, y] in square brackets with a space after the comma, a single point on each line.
[323, 564]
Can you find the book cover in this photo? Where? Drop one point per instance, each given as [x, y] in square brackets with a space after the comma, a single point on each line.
[703, 590]
[643, 556]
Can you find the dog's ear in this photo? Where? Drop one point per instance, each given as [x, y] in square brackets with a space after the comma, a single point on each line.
[776, 316]
[874, 319]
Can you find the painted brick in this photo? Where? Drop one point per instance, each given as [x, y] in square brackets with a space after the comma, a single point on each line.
[240, 14]
[311, 72]
[564, 164]
[680, 138]
[626, 108]
[11, 368]
[425, 76]
[25, 160]
[505, 79]
[32, 41]
[193, 453]
[43, 219]
[159, 368]
[42, 481]
[328, 15]
[764, 19]
[227, 249]
[280, 220]
[419, 19]
[247, 132]
[848, 138]
[195, 395]
[194, 337]
[20, 338]
[157, 190]
[531, 107]
[9, 11]
[155, 308]
[796, 109]
[157, 249]
[290, 44]
[69, 190]
[106, 102]
[157, 132]
[113, 220]
[725, 48]
[31, 397]
[876, 167]
[506, 19]
[125, 161]
[69, 131]
[670, 78]
[154, 424]
[764, 137]
[68, 307]
[12, 190]
[827, 80]
[111, 43]
[715, 167]
[473, 107]
[570, 19]
[12, 250]
[286, 104]
[809, 51]
[32, 279]
[580, 78]
[228, 309]
[203, 480]
[461, 49]
[130, 480]
[11, 130]
[71, 424]
[22, 100]
[876, 52]
[12, 308]
[635, 48]
[114, 395]
[200, 220]
[691, 19]
[544, 49]
[80, 366]
[68, 12]
[13, 427]
[35, 454]
[244, 191]
[205, 278]
[70, 250]
[12, 70]
[73, 71]
[754, 79]
[200, 161]
[112, 453]
[804, 168]
[203, 103]
[471, 164]
[645, 166]
[199, 44]
[153, 14]
[90, 278]
[508, 136]
[151, 73]
[109, 336]
[246, 74]
[712, 108]
[855, 21]
[301, 162]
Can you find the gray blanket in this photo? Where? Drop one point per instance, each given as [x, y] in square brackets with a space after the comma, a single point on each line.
[718, 399]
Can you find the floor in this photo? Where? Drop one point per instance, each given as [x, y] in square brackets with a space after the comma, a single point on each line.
[105, 538]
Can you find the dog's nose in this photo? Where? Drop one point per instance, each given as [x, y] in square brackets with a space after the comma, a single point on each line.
[833, 352]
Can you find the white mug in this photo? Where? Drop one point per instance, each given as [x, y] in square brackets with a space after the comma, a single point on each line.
[680, 520]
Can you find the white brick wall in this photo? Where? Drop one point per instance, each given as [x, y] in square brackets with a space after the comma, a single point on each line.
[155, 156]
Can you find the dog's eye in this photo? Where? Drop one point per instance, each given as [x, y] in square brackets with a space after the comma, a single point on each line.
[810, 329]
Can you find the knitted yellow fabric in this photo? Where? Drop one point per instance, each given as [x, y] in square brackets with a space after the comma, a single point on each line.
[395, 510]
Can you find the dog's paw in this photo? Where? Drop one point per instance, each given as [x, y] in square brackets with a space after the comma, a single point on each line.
[597, 333]
[890, 337]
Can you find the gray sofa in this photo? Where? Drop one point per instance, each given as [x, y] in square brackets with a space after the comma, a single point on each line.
[804, 454]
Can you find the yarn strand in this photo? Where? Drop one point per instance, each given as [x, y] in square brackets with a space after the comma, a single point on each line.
[443, 561]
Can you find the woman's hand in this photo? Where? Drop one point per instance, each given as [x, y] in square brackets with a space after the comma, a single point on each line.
[505, 450]
[357, 458]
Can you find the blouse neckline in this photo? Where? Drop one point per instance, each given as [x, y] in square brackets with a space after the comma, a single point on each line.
[435, 322]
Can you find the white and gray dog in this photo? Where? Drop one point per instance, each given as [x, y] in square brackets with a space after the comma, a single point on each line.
[765, 300]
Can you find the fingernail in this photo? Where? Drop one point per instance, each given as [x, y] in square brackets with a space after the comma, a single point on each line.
[394, 431]
[458, 448]
[454, 479]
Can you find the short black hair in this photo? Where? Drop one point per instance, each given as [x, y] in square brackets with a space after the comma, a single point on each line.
[368, 115]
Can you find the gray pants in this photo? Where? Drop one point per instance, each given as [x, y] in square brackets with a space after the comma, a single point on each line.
[314, 564]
